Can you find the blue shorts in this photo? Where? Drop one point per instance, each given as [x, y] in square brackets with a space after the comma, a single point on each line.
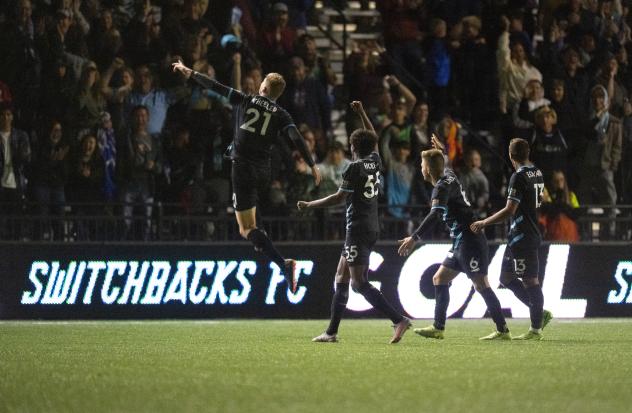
[469, 254]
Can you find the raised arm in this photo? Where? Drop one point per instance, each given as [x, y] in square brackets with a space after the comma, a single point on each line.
[206, 82]
[235, 76]
[357, 107]
[409, 97]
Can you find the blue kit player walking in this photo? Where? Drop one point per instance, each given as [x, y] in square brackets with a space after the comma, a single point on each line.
[521, 255]
[259, 122]
[359, 189]
[469, 252]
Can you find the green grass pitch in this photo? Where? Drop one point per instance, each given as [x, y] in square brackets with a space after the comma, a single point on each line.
[272, 366]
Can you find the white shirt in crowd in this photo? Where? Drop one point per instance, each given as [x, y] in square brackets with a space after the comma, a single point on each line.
[8, 177]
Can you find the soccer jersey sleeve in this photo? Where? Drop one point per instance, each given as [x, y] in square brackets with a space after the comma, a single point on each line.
[348, 178]
[516, 188]
[440, 194]
[234, 96]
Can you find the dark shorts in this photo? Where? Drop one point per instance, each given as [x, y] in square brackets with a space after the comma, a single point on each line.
[469, 254]
[358, 247]
[250, 184]
[521, 260]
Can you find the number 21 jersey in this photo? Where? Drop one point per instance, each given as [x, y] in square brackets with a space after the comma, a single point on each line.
[361, 180]
[258, 123]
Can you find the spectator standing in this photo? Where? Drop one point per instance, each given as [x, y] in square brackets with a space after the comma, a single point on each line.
[607, 77]
[15, 156]
[514, 69]
[105, 39]
[156, 101]
[86, 185]
[88, 103]
[307, 101]
[475, 183]
[277, 40]
[602, 156]
[106, 142]
[140, 165]
[21, 60]
[549, 150]
[317, 66]
[185, 166]
[474, 74]
[310, 141]
[48, 178]
[57, 91]
[439, 66]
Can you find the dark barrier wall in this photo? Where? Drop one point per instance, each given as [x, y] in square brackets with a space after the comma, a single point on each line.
[171, 281]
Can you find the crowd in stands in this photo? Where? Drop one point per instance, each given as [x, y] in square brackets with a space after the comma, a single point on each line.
[91, 114]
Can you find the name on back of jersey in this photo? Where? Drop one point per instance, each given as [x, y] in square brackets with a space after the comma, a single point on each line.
[263, 103]
[533, 174]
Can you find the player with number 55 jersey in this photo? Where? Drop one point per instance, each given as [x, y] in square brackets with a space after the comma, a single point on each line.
[360, 189]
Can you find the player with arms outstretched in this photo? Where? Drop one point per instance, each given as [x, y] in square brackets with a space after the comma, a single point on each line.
[521, 255]
[359, 188]
[469, 252]
[259, 121]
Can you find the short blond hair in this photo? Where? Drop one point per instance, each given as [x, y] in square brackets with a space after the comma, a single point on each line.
[435, 161]
[544, 111]
[276, 84]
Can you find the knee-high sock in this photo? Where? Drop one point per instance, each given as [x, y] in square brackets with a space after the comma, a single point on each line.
[442, 300]
[519, 290]
[493, 305]
[338, 305]
[537, 305]
[377, 300]
[261, 241]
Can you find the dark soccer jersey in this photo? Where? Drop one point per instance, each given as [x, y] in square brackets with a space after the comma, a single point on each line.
[258, 123]
[361, 180]
[457, 211]
[525, 187]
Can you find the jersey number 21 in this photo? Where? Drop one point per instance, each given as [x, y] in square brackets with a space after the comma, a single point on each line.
[254, 116]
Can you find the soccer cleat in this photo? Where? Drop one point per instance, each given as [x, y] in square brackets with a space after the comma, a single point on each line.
[547, 316]
[430, 332]
[497, 335]
[530, 335]
[326, 338]
[400, 330]
[289, 272]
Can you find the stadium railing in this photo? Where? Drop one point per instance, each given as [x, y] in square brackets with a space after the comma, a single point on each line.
[215, 223]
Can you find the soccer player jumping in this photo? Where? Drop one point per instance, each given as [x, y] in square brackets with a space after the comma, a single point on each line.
[521, 256]
[360, 189]
[469, 252]
[259, 121]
